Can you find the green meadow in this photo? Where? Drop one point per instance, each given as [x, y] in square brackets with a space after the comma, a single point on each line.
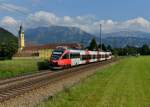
[11, 68]
[124, 84]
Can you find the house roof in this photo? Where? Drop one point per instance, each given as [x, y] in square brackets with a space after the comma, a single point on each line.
[52, 46]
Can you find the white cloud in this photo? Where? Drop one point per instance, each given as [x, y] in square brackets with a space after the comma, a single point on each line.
[88, 23]
[10, 23]
[41, 18]
[131, 24]
[139, 22]
[67, 19]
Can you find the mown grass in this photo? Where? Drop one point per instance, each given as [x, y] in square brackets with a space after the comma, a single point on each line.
[11, 68]
[125, 84]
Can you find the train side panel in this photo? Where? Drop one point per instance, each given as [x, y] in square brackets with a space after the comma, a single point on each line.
[77, 57]
[82, 59]
[93, 56]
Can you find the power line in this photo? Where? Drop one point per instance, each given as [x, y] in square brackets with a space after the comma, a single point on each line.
[9, 8]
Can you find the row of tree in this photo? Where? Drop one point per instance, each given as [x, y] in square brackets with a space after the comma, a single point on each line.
[94, 46]
[128, 50]
[131, 50]
[7, 50]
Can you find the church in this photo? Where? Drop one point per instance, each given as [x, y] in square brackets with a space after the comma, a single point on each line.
[38, 51]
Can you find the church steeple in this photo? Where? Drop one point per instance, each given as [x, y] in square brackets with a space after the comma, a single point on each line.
[20, 30]
[21, 43]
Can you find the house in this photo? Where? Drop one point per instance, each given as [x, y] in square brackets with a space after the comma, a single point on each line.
[38, 51]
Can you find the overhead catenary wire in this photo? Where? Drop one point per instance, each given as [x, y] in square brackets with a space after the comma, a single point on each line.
[13, 9]
[16, 11]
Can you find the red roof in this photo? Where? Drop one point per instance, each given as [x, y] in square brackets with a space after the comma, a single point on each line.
[52, 46]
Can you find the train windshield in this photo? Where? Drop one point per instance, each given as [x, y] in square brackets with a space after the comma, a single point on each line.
[56, 54]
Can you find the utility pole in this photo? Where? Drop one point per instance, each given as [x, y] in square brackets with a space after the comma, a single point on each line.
[100, 38]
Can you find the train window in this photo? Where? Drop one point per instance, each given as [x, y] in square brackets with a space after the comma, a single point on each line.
[94, 56]
[66, 56]
[89, 57]
[99, 56]
[55, 56]
[107, 55]
[75, 55]
[83, 57]
[86, 57]
[103, 56]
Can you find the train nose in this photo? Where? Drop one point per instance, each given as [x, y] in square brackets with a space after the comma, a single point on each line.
[54, 63]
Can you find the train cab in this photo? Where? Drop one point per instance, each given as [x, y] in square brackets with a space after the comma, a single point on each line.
[60, 58]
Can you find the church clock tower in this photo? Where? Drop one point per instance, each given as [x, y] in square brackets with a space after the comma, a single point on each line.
[21, 43]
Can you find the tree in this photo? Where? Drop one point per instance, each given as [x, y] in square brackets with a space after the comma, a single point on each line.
[131, 50]
[145, 50]
[7, 50]
[128, 50]
[93, 45]
[109, 48]
[103, 47]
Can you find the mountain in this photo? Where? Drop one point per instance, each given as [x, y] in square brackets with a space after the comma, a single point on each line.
[55, 34]
[138, 34]
[6, 36]
[123, 41]
[123, 38]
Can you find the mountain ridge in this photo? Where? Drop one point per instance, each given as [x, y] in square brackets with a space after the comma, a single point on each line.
[126, 33]
[6, 36]
[57, 34]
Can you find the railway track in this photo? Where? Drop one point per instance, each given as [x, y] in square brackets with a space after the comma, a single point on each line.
[13, 87]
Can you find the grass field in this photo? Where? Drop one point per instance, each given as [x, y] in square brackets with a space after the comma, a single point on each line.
[125, 84]
[10, 68]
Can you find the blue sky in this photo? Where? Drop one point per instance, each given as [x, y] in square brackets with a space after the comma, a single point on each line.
[102, 9]
[128, 14]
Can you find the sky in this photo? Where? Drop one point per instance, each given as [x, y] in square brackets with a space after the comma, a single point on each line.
[114, 15]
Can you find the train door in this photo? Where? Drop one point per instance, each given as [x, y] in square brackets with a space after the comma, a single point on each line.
[75, 59]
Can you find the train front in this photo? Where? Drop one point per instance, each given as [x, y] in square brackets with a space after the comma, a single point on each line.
[55, 57]
[60, 58]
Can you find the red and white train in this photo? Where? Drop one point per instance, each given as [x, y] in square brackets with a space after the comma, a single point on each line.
[64, 58]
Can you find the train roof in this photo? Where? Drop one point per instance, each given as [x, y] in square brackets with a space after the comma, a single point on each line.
[77, 50]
